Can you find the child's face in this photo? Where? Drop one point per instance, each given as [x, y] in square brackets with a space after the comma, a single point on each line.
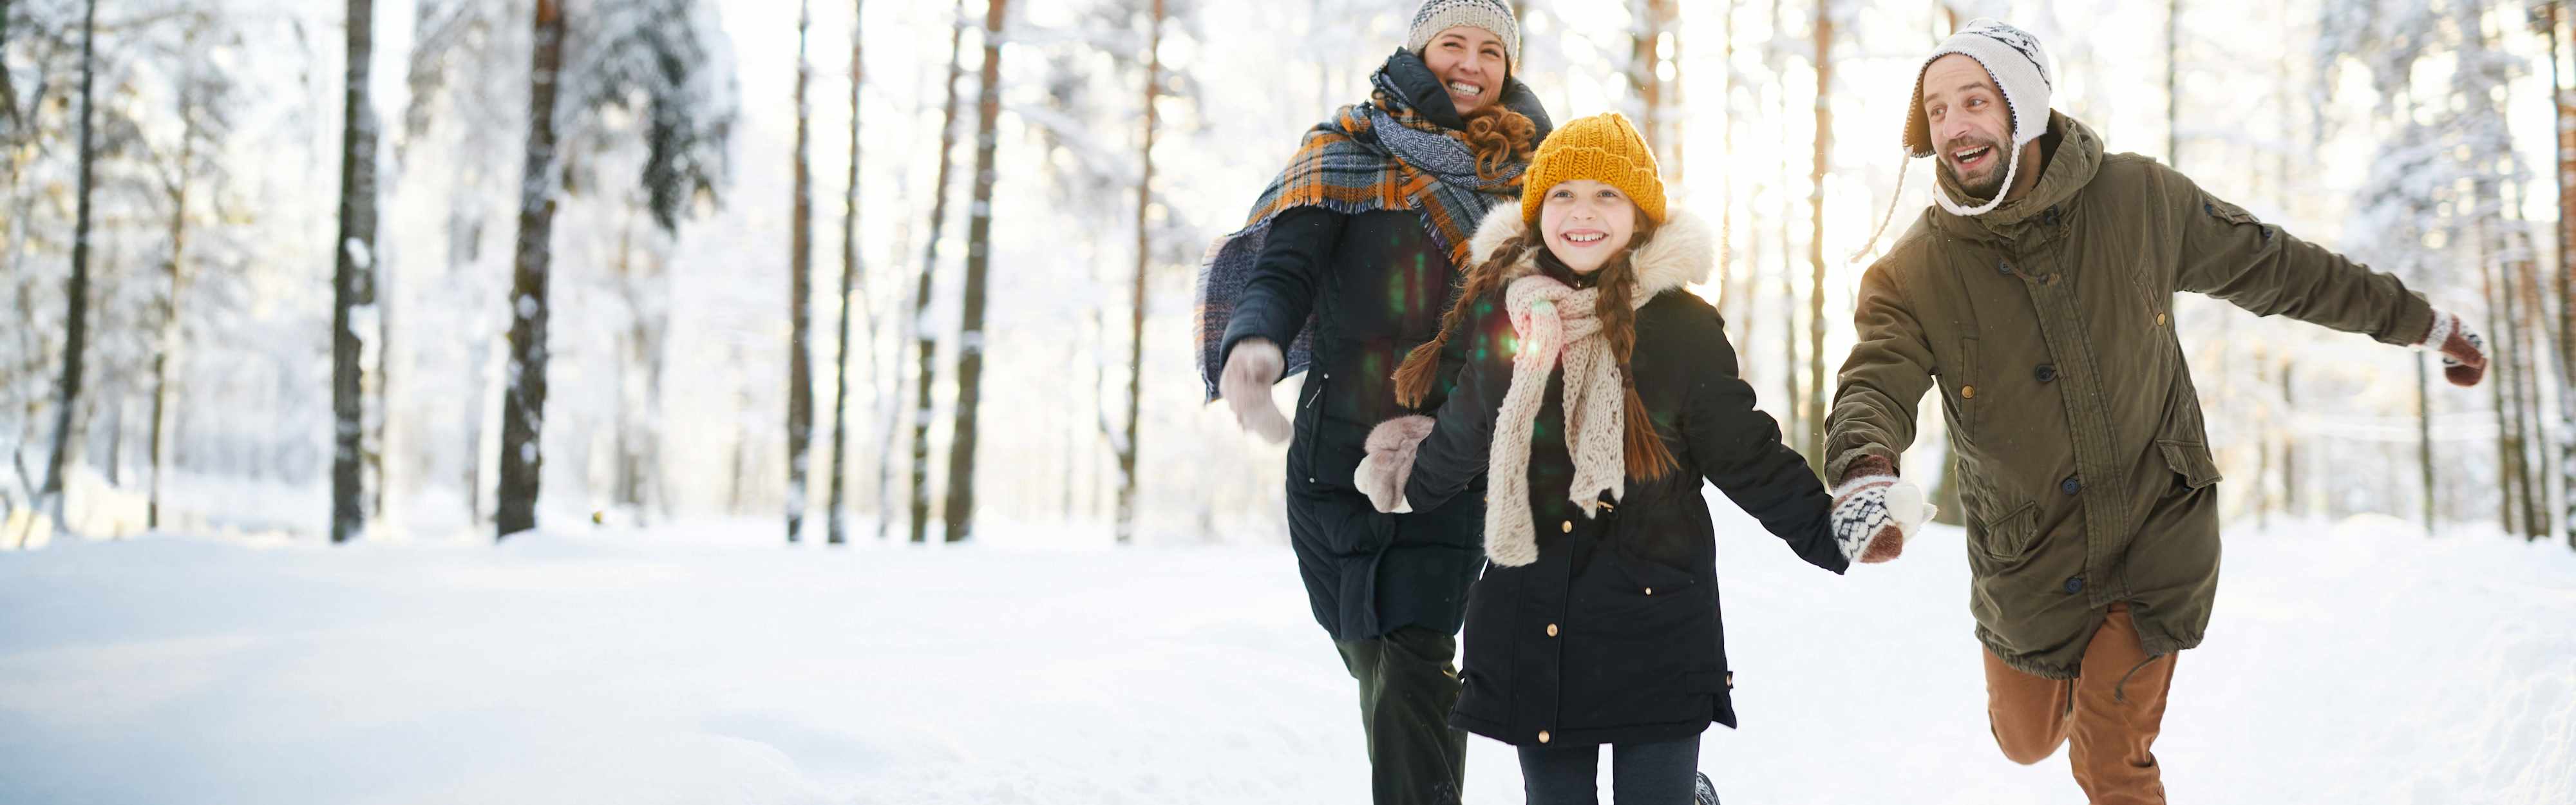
[1584, 222]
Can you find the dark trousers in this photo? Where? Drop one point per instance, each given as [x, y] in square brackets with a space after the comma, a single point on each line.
[1408, 682]
[1658, 773]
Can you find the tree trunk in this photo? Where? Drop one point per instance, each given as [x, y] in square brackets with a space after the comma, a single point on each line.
[76, 322]
[353, 260]
[1136, 308]
[2289, 438]
[524, 404]
[2531, 424]
[921, 298]
[176, 274]
[1646, 58]
[2499, 356]
[890, 411]
[1795, 409]
[800, 302]
[1815, 448]
[2424, 441]
[2566, 110]
[851, 292]
[1730, 277]
[979, 248]
[2173, 89]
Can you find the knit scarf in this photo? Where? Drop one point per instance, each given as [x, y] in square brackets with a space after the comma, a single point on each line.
[1558, 330]
[1388, 153]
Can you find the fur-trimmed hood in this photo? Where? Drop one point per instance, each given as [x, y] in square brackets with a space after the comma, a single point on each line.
[1683, 250]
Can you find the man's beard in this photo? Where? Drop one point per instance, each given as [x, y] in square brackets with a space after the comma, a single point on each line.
[1983, 189]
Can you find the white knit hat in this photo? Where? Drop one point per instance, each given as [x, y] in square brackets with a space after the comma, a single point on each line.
[2019, 67]
[1440, 15]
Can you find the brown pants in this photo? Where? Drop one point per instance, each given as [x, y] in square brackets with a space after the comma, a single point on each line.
[2111, 712]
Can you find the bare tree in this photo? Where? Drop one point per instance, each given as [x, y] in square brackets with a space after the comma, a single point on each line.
[1815, 400]
[921, 298]
[979, 248]
[649, 53]
[852, 292]
[353, 276]
[800, 300]
[524, 405]
[2564, 98]
[1144, 258]
[76, 322]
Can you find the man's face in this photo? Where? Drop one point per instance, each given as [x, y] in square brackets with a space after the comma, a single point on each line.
[1969, 122]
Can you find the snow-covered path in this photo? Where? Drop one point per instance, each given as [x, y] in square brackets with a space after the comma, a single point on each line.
[2351, 663]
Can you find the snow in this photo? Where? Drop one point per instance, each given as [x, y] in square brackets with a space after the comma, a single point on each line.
[2352, 662]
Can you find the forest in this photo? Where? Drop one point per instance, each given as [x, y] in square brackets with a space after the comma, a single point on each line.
[922, 272]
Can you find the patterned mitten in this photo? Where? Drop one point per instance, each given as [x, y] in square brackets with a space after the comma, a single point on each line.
[1389, 463]
[1874, 511]
[2464, 357]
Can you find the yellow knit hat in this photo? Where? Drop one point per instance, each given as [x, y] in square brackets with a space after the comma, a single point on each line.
[1605, 148]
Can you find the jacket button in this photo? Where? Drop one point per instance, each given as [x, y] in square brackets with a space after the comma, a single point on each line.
[2003, 266]
[2071, 485]
[2049, 217]
[1551, 630]
[2160, 320]
[2074, 585]
[1967, 392]
[1650, 591]
[1542, 736]
[2047, 373]
[1567, 528]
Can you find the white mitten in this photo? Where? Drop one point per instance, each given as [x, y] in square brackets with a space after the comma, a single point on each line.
[1254, 364]
[1389, 463]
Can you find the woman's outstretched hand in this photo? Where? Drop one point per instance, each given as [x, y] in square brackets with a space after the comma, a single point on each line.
[1249, 371]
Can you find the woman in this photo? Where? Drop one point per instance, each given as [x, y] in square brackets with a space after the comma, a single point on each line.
[1347, 262]
[1599, 395]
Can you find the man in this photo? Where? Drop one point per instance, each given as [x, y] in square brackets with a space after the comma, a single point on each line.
[2038, 294]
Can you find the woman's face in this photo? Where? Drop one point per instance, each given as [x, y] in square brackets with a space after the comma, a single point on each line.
[1584, 222]
[1470, 63]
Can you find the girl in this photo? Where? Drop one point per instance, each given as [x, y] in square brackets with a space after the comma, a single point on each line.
[1600, 394]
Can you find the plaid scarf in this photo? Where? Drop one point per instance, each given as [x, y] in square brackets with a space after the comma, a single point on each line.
[1384, 154]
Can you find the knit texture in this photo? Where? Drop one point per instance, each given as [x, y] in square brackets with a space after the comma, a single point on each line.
[1494, 16]
[1863, 513]
[1605, 148]
[2020, 68]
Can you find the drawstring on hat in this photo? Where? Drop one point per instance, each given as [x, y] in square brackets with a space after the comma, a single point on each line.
[1903, 167]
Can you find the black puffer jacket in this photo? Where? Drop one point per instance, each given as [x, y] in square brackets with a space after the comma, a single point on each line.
[1613, 635]
[1375, 285]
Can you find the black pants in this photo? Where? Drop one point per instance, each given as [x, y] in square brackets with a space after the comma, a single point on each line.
[1408, 682]
[1659, 773]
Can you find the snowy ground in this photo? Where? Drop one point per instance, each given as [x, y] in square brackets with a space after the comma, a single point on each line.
[2351, 663]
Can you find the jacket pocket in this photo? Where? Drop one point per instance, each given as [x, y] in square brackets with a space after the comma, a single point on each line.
[1648, 577]
[1959, 381]
[2190, 461]
[2005, 537]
